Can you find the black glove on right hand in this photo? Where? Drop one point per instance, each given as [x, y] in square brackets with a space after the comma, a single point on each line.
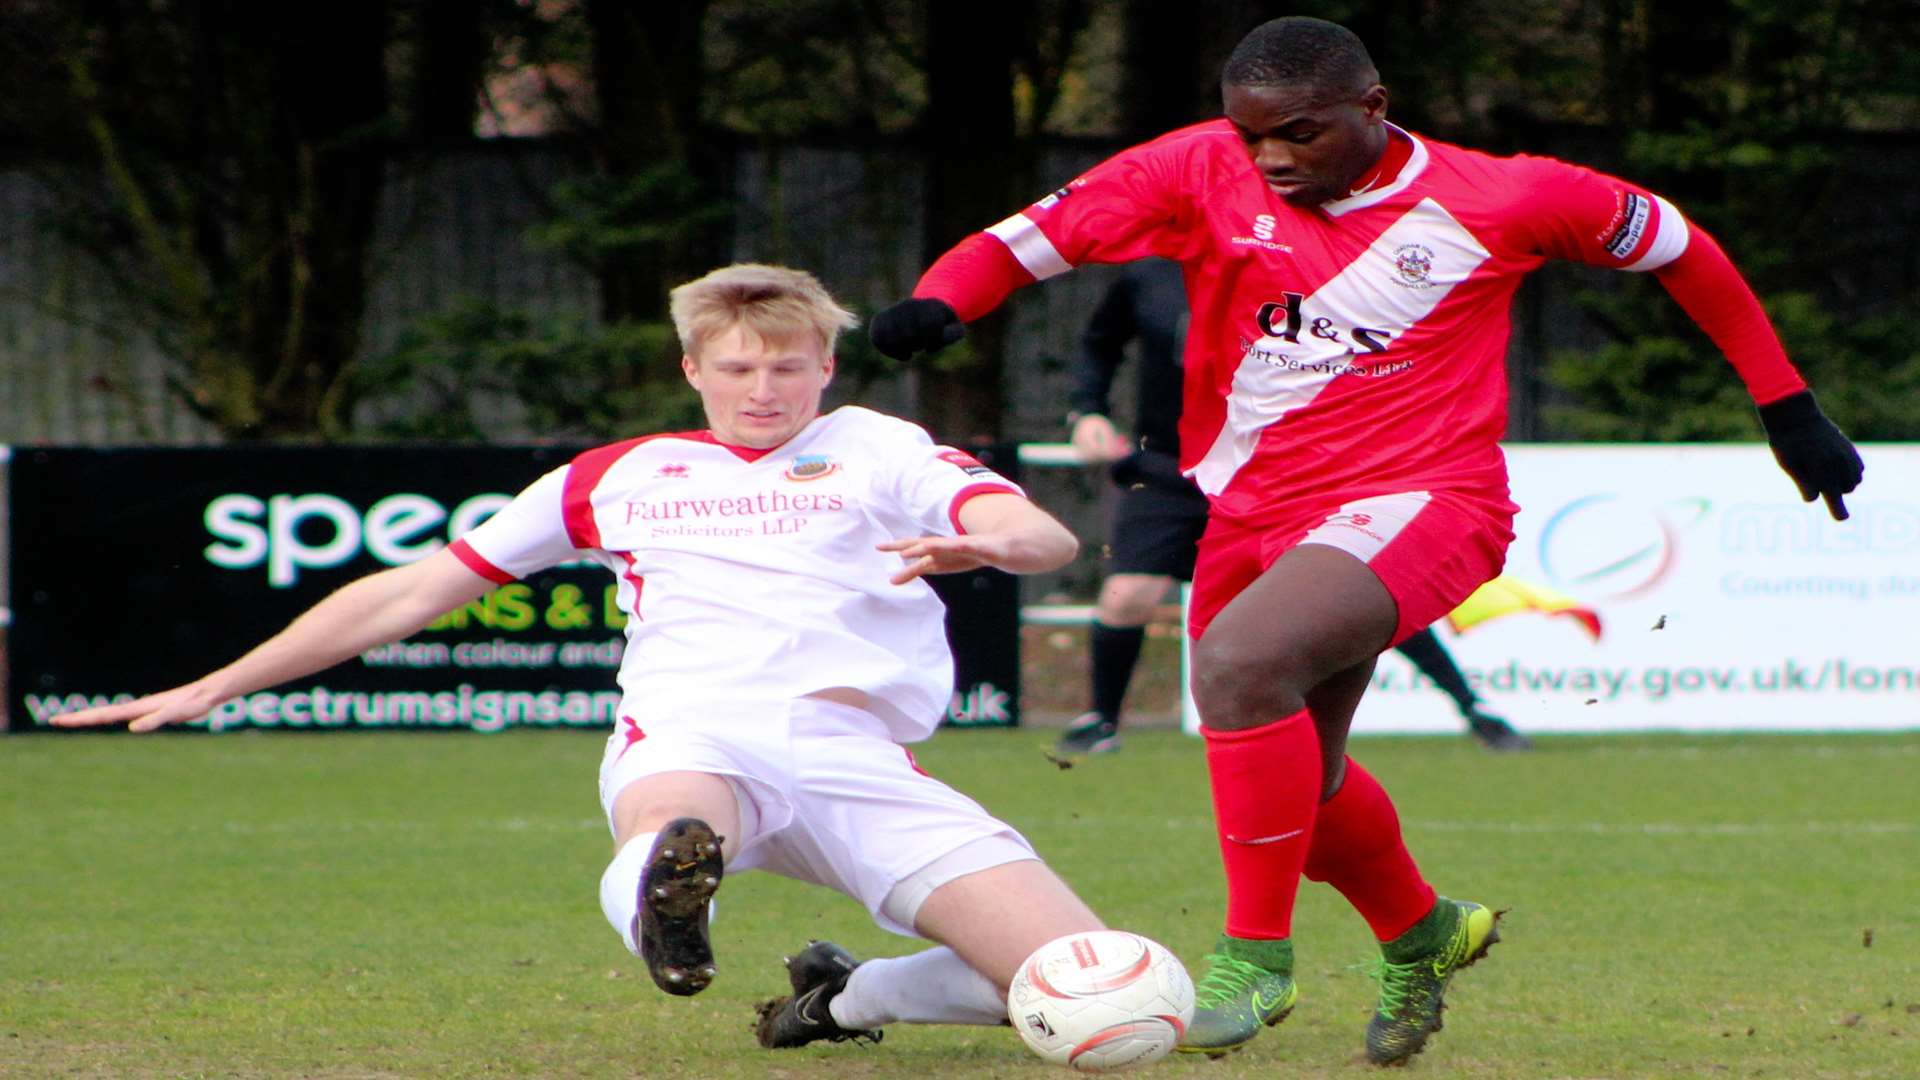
[1812, 450]
[915, 325]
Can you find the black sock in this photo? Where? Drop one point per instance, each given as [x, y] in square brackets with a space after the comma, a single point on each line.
[1431, 657]
[1116, 649]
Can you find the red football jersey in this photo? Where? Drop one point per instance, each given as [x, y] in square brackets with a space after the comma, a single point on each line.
[1355, 348]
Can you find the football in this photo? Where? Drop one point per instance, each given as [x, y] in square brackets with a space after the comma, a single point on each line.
[1101, 1000]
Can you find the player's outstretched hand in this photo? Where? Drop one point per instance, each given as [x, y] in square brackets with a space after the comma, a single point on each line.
[1819, 458]
[915, 325]
[189, 702]
[945, 555]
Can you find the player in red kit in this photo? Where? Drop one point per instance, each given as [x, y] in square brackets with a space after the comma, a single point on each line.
[1349, 284]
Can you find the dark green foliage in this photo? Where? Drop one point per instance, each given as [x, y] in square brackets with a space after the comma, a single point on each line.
[1663, 381]
[601, 220]
[1763, 146]
[477, 372]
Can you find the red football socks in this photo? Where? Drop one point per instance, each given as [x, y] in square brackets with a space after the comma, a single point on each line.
[1357, 849]
[1266, 785]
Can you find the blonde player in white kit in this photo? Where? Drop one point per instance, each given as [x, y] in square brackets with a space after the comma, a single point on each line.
[781, 648]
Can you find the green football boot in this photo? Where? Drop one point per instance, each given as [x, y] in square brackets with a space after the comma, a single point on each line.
[1248, 985]
[1414, 971]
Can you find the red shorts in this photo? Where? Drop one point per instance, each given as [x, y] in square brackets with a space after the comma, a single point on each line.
[1430, 549]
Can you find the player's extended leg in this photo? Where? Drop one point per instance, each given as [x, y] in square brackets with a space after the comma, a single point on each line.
[669, 833]
[1358, 849]
[997, 917]
[1317, 612]
[1119, 629]
[987, 922]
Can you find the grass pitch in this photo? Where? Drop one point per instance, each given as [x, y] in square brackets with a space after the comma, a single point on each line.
[425, 906]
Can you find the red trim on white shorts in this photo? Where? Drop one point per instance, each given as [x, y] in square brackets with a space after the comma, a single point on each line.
[634, 735]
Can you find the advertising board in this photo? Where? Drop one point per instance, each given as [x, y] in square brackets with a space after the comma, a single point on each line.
[1722, 601]
[133, 570]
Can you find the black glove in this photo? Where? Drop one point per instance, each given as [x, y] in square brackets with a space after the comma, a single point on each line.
[915, 325]
[1812, 450]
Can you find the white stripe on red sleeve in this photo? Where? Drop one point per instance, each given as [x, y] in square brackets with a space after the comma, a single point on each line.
[1031, 246]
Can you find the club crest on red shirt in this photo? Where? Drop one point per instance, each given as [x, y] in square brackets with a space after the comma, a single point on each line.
[1412, 265]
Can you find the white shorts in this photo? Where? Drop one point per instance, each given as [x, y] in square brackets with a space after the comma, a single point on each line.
[826, 797]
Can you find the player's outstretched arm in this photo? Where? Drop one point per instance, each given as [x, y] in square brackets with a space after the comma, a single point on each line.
[374, 610]
[913, 326]
[1809, 447]
[968, 281]
[1003, 531]
[1812, 450]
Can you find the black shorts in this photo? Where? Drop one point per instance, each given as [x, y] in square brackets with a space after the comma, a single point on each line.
[1157, 520]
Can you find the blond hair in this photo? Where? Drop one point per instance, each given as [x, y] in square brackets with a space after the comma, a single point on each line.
[775, 303]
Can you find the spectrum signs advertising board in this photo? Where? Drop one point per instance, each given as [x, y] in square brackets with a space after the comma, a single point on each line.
[137, 570]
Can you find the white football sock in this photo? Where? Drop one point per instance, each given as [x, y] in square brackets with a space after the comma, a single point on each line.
[931, 987]
[620, 887]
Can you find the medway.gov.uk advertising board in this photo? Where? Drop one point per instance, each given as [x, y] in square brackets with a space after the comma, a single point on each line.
[1688, 588]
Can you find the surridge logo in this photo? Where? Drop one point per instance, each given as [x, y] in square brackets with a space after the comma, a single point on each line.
[1263, 230]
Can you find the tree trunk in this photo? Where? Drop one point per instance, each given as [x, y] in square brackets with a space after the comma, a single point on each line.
[975, 171]
[450, 60]
[242, 155]
[1168, 77]
[333, 97]
[647, 76]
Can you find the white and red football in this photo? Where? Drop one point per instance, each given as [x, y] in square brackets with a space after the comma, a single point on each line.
[1101, 1000]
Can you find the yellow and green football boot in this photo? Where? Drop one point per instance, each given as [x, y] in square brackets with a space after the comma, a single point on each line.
[1248, 985]
[1414, 971]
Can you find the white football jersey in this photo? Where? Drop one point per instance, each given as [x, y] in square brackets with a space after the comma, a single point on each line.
[750, 575]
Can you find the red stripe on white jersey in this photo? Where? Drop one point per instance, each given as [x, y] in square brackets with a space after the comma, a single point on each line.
[634, 578]
[478, 563]
[576, 495]
[587, 470]
[966, 493]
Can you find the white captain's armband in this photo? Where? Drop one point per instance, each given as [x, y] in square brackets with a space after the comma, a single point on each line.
[1647, 224]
